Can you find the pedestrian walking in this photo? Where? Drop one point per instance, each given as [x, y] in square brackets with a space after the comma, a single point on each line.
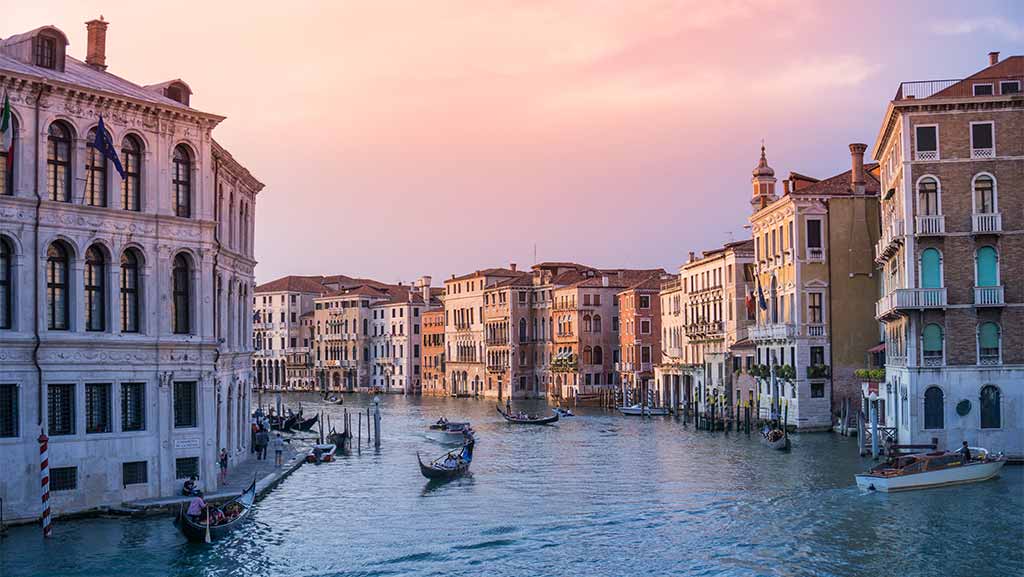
[255, 429]
[278, 449]
[262, 439]
[222, 460]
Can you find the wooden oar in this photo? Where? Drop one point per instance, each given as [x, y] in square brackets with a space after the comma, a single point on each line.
[207, 523]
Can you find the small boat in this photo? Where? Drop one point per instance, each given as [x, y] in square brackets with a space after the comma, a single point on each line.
[201, 532]
[641, 410]
[449, 465]
[332, 399]
[305, 425]
[285, 424]
[454, 428]
[321, 453]
[929, 470]
[440, 425]
[776, 439]
[528, 419]
[563, 412]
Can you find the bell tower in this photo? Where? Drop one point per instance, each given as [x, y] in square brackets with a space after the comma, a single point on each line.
[764, 183]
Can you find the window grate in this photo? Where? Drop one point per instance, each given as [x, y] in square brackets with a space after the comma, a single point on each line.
[185, 404]
[8, 410]
[63, 478]
[60, 407]
[133, 406]
[97, 408]
[185, 467]
[135, 473]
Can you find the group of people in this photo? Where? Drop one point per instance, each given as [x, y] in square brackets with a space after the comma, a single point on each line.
[202, 512]
[261, 439]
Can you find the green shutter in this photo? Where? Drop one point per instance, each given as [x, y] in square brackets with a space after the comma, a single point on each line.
[931, 273]
[932, 338]
[988, 336]
[987, 266]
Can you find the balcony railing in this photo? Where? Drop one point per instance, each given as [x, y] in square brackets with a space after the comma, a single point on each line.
[815, 253]
[931, 224]
[646, 367]
[926, 155]
[778, 331]
[987, 223]
[989, 296]
[892, 235]
[815, 330]
[983, 153]
[920, 298]
[959, 88]
[675, 352]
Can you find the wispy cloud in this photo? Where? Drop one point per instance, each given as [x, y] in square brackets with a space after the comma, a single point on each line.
[1001, 26]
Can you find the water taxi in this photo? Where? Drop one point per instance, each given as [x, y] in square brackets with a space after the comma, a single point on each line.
[929, 470]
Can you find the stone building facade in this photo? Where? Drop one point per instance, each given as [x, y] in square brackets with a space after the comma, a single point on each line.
[137, 289]
[640, 345]
[281, 343]
[434, 377]
[950, 254]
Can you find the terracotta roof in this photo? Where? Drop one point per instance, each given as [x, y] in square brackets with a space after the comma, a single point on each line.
[300, 284]
[1008, 67]
[486, 272]
[619, 278]
[743, 344]
[839, 185]
[523, 280]
[652, 283]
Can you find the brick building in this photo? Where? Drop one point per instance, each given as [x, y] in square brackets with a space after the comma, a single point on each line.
[640, 337]
[434, 377]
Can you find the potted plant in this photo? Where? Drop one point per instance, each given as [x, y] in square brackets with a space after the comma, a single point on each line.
[786, 373]
[818, 371]
[871, 375]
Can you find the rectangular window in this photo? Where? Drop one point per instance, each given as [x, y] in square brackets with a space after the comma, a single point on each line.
[645, 327]
[817, 390]
[46, 52]
[645, 354]
[817, 355]
[60, 408]
[63, 478]
[814, 233]
[8, 410]
[97, 408]
[133, 406]
[586, 300]
[1009, 87]
[134, 473]
[615, 324]
[185, 404]
[293, 340]
[927, 142]
[814, 308]
[185, 467]
[982, 141]
[645, 301]
[983, 90]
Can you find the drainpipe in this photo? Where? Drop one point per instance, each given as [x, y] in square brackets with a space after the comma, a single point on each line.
[35, 267]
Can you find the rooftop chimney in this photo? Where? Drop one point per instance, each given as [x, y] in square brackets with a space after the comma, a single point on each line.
[993, 58]
[96, 44]
[857, 181]
[512, 266]
[693, 256]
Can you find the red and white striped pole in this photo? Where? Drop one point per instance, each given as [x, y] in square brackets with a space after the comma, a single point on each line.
[44, 480]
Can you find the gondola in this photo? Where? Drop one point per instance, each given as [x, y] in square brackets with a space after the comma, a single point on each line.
[527, 421]
[436, 469]
[286, 424]
[776, 439]
[307, 424]
[197, 531]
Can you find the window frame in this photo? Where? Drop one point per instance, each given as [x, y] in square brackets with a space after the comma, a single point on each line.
[125, 469]
[132, 172]
[917, 149]
[992, 124]
[942, 267]
[130, 294]
[998, 407]
[54, 164]
[94, 288]
[126, 402]
[1004, 83]
[991, 86]
[938, 195]
[8, 167]
[96, 174]
[998, 357]
[190, 420]
[105, 408]
[58, 287]
[942, 410]
[974, 192]
[14, 390]
[181, 180]
[181, 297]
[7, 258]
[72, 418]
[977, 268]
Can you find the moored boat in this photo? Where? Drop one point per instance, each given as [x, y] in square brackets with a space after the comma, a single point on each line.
[200, 531]
[525, 419]
[930, 470]
[306, 425]
[449, 465]
[640, 410]
[321, 453]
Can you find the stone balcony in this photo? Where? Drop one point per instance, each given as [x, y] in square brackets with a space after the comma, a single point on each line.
[703, 330]
[910, 299]
[773, 332]
[888, 243]
[814, 330]
[930, 225]
[989, 296]
[990, 223]
[815, 254]
[674, 352]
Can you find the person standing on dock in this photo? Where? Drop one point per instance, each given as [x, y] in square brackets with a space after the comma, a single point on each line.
[278, 449]
[222, 460]
[262, 440]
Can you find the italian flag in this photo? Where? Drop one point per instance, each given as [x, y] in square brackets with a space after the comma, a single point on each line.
[7, 131]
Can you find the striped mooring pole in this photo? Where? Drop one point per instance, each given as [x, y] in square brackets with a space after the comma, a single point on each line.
[44, 480]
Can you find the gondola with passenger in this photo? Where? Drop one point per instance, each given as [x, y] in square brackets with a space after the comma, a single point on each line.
[449, 465]
[525, 419]
[210, 526]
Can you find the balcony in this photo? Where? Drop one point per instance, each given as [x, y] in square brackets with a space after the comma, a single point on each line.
[990, 223]
[815, 330]
[888, 243]
[674, 352]
[931, 224]
[774, 332]
[910, 299]
[815, 253]
[926, 155]
[704, 329]
[983, 153]
[989, 296]
[624, 367]
[646, 367]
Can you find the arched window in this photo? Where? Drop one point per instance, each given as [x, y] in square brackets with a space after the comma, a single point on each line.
[6, 277]
[598, 356]
[95, 173]
[180, 281]
[985, 195]
[129, 292]
[588, 324]
[6, 161]
[58, 162]
[181, 182]
[987, 262]
[522, 331]
[931, 344]
[928, 196]
[931, 268]
[95, 289]
[775, 300]
[933, 408]
[131, 185]
[988, 344]
[587, 356]
[990, 407]
[597, 323]
[57, 287]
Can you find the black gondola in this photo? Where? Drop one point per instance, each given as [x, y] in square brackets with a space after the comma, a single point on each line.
[307, 424]
[197, 531]
[436, 470]
[528, 421]
[285, 424]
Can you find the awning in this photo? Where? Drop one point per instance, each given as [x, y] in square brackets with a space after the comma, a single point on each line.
[877, 348]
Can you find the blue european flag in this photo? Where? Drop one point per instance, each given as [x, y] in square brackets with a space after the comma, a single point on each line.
[760, 298]
[104, 145]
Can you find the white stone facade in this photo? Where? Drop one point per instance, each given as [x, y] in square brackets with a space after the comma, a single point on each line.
[132, 395]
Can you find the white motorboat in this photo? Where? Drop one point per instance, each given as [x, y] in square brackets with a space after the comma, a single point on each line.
[321, 453]
[928, 470]
[640, 410]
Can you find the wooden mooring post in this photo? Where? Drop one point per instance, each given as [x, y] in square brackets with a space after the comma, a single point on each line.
[360, 433]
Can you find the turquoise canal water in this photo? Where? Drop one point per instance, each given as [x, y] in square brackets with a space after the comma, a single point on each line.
[595, 495]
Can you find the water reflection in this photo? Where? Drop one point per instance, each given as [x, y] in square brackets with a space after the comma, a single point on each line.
[594, 495]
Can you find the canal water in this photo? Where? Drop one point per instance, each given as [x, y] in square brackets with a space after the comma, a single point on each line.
[594, 495]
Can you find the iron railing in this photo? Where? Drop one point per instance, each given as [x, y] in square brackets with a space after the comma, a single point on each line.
[962, 87]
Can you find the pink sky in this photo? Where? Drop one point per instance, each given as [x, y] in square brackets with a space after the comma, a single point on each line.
[407, 138]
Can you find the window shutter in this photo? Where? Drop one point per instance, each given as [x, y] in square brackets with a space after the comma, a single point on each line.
[987, 266]
[931, 275]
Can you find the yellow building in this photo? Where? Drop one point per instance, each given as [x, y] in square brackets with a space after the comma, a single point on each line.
[816, 288]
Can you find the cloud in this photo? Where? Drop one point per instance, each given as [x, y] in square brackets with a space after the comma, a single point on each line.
[1001, 26]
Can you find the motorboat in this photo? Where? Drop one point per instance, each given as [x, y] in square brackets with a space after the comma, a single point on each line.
[321, 453]
[641, 410]
[563, 412]
[929, 470]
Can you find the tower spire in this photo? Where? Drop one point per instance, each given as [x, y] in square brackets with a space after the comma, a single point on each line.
[763, 181]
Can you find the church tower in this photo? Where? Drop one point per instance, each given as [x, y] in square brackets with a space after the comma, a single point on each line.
[764, 184]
